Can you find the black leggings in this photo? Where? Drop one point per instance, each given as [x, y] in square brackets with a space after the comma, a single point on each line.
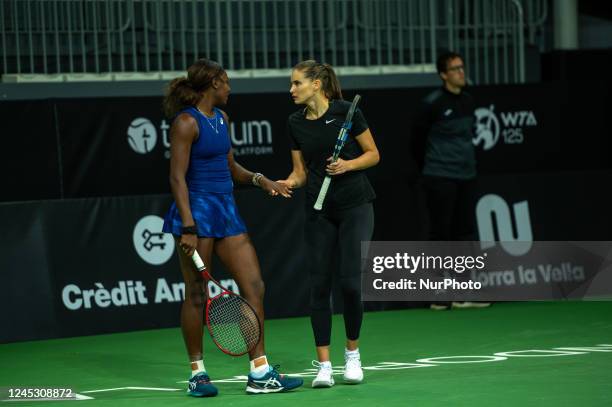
[339, 234]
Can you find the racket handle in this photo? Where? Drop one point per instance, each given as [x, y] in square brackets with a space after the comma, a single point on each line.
[198, 261]
[319, 204]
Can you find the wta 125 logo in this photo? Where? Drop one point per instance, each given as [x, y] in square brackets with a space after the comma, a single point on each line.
[510, 129]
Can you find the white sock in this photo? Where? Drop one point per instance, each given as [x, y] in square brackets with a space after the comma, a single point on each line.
[325, 365]
[197, 366]
[259, 371]
[351, 353]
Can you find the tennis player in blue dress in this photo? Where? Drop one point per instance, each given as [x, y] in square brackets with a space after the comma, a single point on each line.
[204, 216]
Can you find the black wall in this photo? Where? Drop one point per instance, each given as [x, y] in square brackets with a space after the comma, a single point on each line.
[88, 191]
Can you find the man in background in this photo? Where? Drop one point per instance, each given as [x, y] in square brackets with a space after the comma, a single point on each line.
[444, 150]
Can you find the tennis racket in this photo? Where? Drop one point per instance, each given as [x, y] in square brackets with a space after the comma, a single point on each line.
[348, 122]
[232, 323]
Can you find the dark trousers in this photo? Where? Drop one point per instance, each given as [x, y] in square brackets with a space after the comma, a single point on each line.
[451, 208]
[337, 234]
[451, 205]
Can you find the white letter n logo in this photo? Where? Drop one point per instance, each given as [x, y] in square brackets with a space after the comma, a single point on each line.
[491, 207]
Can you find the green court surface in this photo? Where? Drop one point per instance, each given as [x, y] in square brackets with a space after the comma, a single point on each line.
[393, 346]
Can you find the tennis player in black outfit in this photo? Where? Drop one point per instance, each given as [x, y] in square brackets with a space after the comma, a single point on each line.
[347, 217]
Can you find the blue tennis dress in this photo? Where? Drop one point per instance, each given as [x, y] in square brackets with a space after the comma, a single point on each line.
[209, 182]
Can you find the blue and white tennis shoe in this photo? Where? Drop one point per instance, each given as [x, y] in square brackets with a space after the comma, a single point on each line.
[272, 382]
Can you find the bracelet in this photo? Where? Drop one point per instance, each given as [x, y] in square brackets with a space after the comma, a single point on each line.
[189, 230]
[257, 179]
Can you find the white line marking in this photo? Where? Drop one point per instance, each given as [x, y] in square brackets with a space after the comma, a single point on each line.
[76, 395]
[131, 388]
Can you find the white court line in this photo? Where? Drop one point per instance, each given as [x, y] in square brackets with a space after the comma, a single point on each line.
[380, 366]
[131, 388]
[76, 395]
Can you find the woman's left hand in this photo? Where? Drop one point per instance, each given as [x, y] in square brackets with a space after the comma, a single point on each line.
[275, 188]
[339, 167]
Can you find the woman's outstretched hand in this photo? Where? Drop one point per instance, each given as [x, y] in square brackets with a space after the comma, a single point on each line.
[273, 188]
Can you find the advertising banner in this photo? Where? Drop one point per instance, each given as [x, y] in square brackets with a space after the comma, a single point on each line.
[121, 146]
[74, 148]
[99, 265]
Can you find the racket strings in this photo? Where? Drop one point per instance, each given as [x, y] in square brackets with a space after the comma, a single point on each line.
[233, 324]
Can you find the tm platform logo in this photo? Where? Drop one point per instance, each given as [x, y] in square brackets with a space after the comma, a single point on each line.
[151, 244]
[489, 127]
[142, 135]
[253, 138]
[248, 138]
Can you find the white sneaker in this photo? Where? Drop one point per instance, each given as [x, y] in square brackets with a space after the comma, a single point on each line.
[325, 375]
[438, 307]
[353, 373]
